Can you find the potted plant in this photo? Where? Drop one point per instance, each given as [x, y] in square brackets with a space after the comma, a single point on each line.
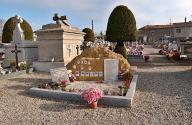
[121, 90]
[92, 96]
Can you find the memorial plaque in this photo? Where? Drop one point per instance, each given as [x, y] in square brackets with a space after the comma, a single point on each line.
[96, 74]
[87, 74]
[82, 73]
[89, 69]
[100, 74]
[91, 74]
[77, 73]
[59, 74]
[111, 69]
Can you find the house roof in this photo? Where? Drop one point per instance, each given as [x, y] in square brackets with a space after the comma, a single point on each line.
[182, 24]
[147, 27]
[174, 25]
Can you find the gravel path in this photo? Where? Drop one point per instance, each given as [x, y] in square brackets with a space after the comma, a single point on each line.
[163, 96]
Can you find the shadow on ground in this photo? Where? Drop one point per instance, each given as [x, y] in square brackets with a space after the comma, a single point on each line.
[31, 80]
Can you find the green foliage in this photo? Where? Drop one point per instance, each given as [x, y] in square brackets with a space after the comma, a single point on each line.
[12, 64]
[9, 26]
[89, 35]
[23, 66]
[121, 25]
[120, 49]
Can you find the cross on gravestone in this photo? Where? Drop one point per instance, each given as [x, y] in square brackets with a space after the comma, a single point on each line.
[16, 51]
[77, 48]
[60, 19]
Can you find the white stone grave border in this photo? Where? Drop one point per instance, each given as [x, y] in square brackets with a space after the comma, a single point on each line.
[116, 101]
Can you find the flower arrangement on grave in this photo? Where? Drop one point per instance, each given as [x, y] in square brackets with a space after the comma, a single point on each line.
[146, 57]
[135, 50]
[120, 77]
[22, 65]
[127, 77]
[60, 85]
[63, 84]
[13, 66]
[72, 77]
[173, 54]
[121, 90]
[92, 95]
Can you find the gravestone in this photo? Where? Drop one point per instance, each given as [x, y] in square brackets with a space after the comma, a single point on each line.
[16, 51]
[186, 48]
[89, 65]
[88, 69]
[59, 74]
[28, 48]
[173, 46]
[111, 69]
[57, 41]
[18, 35]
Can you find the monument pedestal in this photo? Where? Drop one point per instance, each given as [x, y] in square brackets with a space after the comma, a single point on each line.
[56, 43]
[186, 48]
[29, 52]
[46, 66]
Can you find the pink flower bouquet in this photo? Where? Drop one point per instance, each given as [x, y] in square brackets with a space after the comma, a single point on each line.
[92, 95]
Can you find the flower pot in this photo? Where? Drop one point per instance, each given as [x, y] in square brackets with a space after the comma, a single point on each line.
[93, 105]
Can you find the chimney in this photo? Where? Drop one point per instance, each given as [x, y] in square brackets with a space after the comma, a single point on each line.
[185, 19]
[92, 24]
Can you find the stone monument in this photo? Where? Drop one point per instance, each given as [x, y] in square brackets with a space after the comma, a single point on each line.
[186, 48]
[18, 35]
[28, 48]
[111, 69]
[98, 64]
[57, 44]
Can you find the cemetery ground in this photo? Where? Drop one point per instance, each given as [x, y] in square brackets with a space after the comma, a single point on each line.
[163, 96]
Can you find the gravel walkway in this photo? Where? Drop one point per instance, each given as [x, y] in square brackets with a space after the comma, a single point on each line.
[163, 96]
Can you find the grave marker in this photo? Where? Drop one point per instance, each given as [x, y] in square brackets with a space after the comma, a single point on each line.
[59, 74]
[16, 51]
[111, 69]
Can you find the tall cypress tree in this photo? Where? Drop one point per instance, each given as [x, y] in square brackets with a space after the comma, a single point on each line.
[89, 36]
[121, 27]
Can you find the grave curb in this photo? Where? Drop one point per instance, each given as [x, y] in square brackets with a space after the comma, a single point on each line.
[117, 101]
[135, 58]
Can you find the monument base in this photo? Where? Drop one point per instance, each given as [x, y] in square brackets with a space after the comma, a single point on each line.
[29, 52]
[46, 66]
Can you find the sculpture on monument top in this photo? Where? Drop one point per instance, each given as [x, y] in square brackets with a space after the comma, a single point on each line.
[18, 35]
[60, 19]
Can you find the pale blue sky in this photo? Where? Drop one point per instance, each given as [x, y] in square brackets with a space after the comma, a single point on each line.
[81, 12]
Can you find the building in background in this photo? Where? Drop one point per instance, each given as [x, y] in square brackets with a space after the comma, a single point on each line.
[174, 31]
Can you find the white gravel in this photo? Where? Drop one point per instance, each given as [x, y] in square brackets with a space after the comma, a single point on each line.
[163, 96]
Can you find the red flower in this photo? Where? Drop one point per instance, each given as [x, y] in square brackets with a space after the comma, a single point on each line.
[127, 82]
[64, 82]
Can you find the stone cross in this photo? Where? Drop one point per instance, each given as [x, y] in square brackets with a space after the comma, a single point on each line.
[60, 19]
[18, 35]
[16, 51]
[77, 48]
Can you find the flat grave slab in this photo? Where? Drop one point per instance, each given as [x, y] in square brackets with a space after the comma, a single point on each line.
[117, 101]
[135, 58]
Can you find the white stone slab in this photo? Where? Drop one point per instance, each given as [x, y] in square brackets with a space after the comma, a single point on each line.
[58, 74]
[117, 101]
[111, 69]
